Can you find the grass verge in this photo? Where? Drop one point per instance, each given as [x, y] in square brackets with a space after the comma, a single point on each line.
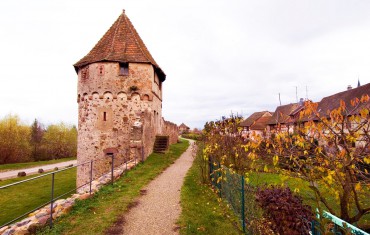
[202, 211]
[21, 198]
[24, 165]
[98, 213]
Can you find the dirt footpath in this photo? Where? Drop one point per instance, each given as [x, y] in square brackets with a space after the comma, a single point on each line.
[159, 208]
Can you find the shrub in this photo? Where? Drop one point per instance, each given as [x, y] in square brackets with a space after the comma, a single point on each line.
[192, 136]
[285, 210]
[14, 140]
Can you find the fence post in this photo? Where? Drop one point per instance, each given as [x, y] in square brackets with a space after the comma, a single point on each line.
[51, 200]
[209, 169]
[243, 204]
[218, 176]
[91, 168]
[112, 167]
[142, 151]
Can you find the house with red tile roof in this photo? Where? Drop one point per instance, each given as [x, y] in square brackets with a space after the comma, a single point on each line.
[333, 101]
[281, 120]
[256, 124]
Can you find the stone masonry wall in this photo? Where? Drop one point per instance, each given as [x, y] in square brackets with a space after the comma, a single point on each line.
[112, 109]
[170, 129]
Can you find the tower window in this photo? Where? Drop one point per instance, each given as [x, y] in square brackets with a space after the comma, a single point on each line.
[105, 116]
[85, 72]
[123, 69]
[101, 70]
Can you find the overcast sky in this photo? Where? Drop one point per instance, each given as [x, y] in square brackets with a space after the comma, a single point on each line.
[220, 56]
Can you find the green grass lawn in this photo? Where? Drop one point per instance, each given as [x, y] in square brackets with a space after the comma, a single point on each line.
[98, 213]
[202, 212]
[21, 198]
[15, 166]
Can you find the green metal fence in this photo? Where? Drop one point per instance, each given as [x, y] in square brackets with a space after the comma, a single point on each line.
[241, 198]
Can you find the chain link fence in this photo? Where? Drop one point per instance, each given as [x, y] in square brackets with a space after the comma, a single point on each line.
[241, 198]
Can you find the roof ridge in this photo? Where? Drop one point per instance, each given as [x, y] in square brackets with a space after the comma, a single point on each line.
[114, 37]
[135, 33]
[348, 91]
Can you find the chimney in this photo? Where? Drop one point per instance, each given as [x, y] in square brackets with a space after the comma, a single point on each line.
[349, 87]
[301, 101]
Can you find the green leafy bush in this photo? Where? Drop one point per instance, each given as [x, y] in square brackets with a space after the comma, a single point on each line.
[192, 136]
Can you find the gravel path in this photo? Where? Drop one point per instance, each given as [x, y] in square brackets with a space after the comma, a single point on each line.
[34, 170]
[159, 208]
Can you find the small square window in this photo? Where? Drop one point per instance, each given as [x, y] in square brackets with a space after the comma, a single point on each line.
[123, 69]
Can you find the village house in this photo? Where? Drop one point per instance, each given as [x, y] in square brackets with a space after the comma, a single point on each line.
[332, 102]
[287, 118]
[256, 124]
[281, 120]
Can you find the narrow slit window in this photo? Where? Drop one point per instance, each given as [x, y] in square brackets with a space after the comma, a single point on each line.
[101, 69]
[105, 116]
[123, 69]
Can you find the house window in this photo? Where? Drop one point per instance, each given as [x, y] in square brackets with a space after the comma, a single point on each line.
[105, 116]
[123, 69]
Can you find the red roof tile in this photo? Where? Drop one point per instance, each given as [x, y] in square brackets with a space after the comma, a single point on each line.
[281, 114]
[121, 43]
[254, 118]
[332, 102]
[261, 123]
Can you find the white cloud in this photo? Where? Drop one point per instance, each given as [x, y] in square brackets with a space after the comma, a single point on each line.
[219, 56]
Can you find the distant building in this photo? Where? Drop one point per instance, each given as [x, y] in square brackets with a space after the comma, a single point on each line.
[183, 128]
[333, 101]
[281, 119]
[256, 124]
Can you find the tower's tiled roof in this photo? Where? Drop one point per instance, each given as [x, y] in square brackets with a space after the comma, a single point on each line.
[121, 43]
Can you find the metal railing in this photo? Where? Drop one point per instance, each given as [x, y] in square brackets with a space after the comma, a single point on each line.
[337, 226]
[53, 198]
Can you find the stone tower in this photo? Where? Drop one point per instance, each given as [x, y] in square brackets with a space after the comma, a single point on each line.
[119, 99]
